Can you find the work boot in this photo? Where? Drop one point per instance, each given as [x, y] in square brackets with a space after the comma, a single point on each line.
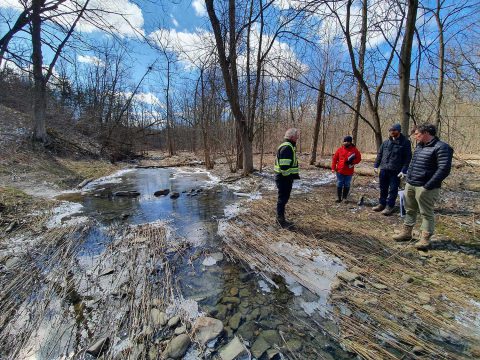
[378, 208]
[405, 235]
[339, 195]
[346, 190]
[424, 242]
[388, 211]
[284, 224]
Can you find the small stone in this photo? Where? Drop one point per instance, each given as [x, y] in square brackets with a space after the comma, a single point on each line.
[379, 286]
[159, 318]
[259, 347]
[174, 195]
[247, 330]
[173, 321]
[180, 330]
[273, 354]
[235, 321]
[231, 300]
[347, 276]
[418, 350]
[234, 291]
[217, 256]
[272, 337]
[233, 350]
[206, 329]
[359, 284]
[244, 293]
[12, 262]
[177, 347]
[293, 345]
[161, 192]
[371, 301]
[408, 310]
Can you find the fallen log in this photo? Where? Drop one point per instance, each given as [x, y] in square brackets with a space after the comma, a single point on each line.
[325, 164]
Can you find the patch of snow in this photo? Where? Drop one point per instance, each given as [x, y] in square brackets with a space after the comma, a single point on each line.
[264, 286]
[114, 178]
[470, 318]
[187, 308]
[65, 209]
[310, 306]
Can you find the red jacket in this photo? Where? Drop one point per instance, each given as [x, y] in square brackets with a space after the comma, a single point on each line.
[340, 161]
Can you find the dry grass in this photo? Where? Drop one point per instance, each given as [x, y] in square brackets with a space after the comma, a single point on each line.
[396, 319]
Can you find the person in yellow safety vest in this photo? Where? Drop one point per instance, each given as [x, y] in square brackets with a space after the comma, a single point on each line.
[286, 170]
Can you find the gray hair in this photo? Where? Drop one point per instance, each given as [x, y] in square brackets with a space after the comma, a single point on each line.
[291, 133]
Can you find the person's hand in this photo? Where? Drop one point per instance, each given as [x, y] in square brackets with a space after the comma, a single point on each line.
[402, 175]
[375, 170]
[333, 171]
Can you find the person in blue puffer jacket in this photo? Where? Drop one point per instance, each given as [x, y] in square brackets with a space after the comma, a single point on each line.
[393, 158]
[431, 164]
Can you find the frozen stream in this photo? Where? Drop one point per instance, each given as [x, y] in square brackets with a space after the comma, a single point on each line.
[206, 279]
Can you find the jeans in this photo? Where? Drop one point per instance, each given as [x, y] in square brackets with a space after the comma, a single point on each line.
[418, 199]
[343, 180]
[389, 183]
[284, 186]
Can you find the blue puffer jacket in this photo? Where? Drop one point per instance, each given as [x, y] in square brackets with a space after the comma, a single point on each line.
[431, 164]
[394, 154]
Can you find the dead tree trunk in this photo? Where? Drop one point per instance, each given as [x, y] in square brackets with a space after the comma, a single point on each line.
[404, 65]
[441, 65]
[318, 121]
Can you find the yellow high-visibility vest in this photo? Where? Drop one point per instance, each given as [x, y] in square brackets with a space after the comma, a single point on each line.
[292, 163]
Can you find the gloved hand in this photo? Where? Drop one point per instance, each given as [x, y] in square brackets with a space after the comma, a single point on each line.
[402, 175]
[375, 170]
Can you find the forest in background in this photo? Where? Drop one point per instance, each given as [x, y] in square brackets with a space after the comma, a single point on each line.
[327, 68]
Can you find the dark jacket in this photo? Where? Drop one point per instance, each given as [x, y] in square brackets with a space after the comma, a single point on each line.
[283, 153]
[431, 164]
[394, 154]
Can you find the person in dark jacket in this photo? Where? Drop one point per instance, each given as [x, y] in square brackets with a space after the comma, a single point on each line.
[393, 158]
[431, 164]
[343, 164]
[286, 171]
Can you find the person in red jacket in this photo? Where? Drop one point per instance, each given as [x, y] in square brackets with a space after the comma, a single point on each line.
[344, 160]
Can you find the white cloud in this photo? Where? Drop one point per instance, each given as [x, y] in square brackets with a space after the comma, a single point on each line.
[88, 59]
[146, 98]
[122, 17]
[199, 7]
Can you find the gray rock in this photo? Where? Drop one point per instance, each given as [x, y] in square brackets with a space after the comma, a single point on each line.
[180, 330]
[206, 329]
[254, 314]
[235, 321]
[429, 308]
[173, 321]
[99, 347]
[159, 318]
[347, 276]
[273, 354]
[259, 347]
[161, 192]
[230, 300]
[244, 293]
[294, 345]
[272, 337]
[217, 256]
[12, 262]
[233, 291]
[177, 347]
[126, 193]
[247, 330]
[233, 350]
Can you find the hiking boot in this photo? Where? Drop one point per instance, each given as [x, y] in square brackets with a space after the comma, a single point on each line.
[286, 225]
[339, 195]
[388, 211]
[346, 191]
[424, 242]
[378, 208]
[405, 235]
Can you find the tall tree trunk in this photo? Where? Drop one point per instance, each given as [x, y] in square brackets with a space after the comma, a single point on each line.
[405, 65]
[318, 121]
[441, 66]
[361, 65]
[40, 86]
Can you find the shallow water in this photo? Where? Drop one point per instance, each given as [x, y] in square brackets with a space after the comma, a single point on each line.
[223, 289]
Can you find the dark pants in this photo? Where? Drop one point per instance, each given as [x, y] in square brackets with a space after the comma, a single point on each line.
[284, 186]
[389, 183]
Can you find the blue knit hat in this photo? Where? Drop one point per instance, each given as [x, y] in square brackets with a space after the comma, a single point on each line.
[395, 127]
[348, 139]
